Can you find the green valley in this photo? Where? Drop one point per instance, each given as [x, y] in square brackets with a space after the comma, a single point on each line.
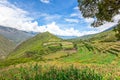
[47, 49]
[59, 39]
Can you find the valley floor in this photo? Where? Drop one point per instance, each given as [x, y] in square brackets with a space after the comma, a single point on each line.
[103, 58]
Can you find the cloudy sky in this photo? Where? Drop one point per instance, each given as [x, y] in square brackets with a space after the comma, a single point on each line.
[60, 17]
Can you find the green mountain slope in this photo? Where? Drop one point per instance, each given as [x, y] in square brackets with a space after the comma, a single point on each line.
[48, 49]
[5, 47]
[106, 36]
[35, 45]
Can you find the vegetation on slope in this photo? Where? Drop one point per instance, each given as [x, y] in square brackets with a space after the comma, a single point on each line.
[38, 72]
[106, 36]
[117, 30]
[49, 48]
[6, 46]
[35, 45]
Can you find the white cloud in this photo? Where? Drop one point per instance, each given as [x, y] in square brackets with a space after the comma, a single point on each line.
[105, 26]
[14, 17]
[74, 15]
[55, 29]
[72, 20]
[116, 18]
[76, 8]
[45, 1]
[108, 25]
[48, 17]
[89, 20]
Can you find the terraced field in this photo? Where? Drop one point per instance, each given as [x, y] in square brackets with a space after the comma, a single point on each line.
[87, 55]
[67, 49]
[109, 47]
[102, 57]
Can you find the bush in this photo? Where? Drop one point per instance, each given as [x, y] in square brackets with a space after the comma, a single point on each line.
[54, 48]
[52, 73]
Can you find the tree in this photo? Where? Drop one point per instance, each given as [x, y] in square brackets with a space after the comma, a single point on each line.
[117, 30]
[100, 10]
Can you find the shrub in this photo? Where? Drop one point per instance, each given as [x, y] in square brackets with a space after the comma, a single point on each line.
[52, 73]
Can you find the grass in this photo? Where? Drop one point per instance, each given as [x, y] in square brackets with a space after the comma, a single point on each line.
[92, 54]
[55, 55]
[6, 63]
[6, 46]
[89, 54]
[38, 72]
[33, 44]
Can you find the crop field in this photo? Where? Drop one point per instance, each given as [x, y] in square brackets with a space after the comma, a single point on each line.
[87, 56]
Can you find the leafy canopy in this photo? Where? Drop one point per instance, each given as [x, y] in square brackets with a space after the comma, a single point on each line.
[100, 10]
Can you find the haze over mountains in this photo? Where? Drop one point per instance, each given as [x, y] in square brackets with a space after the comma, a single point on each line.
[15, 35]
[10, 36]
[6, 46]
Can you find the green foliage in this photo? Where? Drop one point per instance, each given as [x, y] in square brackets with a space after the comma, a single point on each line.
[103, 10]
[107, 36]
[117, 30]
[34, 46]
[95, 53]
[6, 46]
[6, 63]
[75, 45]
[37, 72]
[54, 48]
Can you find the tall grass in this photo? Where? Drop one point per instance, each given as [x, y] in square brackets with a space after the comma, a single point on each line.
[38, 72]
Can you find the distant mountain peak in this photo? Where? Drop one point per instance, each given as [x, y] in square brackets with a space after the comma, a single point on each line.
[6, 46]
[15, 35]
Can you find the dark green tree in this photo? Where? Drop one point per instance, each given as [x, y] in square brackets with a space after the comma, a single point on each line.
[100, 10]
[117, 30]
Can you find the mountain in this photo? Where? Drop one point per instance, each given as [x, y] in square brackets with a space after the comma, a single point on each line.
[35, 45]
[107, 36]
[6, 46]
[15, 35]
[85, 37]
[67, 37]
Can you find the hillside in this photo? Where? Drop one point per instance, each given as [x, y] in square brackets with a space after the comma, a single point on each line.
[104, 42]
[67, 37]
[35, 45]
[5, 47]
[15, 35]
[105, 36]
[47, 49]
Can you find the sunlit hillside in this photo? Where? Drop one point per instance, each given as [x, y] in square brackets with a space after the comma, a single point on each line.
[59, 39]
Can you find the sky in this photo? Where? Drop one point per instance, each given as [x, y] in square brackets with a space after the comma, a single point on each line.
[60, 17]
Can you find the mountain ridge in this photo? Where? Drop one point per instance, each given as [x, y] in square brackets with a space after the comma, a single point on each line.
[15, 35]
[34, 44]
[106, 35]
[6, 46]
